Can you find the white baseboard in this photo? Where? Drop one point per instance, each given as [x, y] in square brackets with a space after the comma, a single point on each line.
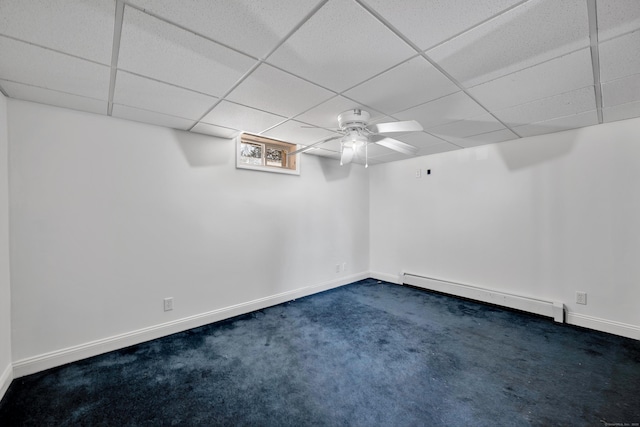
[5, 380]
[553, 309]
[386, 277]
[52, 359]
[604, 325]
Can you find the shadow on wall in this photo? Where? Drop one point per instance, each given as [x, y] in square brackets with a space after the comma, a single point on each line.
[203, 150]
[332, 170]
[519, 154]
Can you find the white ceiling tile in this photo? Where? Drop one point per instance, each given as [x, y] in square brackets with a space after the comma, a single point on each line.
[340, 46]
[485, 138]
[534, 32]
[153, 48]
[621, 112]
[51, 97]
[619, 57]
[213, 130]
[270, 89]
[447, 109]
[333, 145]
[565, 104]
[471, 126]
[442, 147]
[419, 139]
[407, 85]
[234, 116]
[553, 77]
[150, 117]
[326, 114]
[588, 118]
[254, 27]
[294, 132]
[78, 27]
[443, 18]
[140, 92]
[29, 64]
[621, 91]
[495, 136]
[324, 153]
[617, 17]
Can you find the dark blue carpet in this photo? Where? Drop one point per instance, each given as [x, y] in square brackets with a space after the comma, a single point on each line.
[366, 354]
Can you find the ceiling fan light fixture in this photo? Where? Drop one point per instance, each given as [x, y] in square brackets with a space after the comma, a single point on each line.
[354, 139]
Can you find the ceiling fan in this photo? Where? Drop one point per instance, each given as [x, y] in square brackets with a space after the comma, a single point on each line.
[355, 134]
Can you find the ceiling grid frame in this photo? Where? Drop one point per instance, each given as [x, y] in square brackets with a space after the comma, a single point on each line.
[592, 9]
[26, 25]
[432, 62]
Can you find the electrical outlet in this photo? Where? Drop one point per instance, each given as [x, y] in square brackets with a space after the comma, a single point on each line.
[344, 266]
[168, 304]
[418, 173]
[337, 268]
[581, 298]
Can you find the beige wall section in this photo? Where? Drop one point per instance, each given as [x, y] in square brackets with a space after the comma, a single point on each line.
[542, 217]
[111, 216]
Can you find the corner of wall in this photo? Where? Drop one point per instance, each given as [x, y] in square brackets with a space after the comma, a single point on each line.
[6, 366]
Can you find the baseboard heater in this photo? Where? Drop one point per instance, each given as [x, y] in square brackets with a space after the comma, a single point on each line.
[552, 309]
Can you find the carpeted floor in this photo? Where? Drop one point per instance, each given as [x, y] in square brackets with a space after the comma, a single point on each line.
[366, 354]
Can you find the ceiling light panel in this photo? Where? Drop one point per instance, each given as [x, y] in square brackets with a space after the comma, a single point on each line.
[32, 65]
[340, 46]
[154, 48]
[270, 89]
[151, 117]
[535, 32]
[253, 27]
[236, 116]
[619, 57]
[292, 131]
[621, 91]
[588, 118]
[140, 92]
[77, 27]
[617, 17]
[450, 108]
[51, 97]
[409, 84]
[564, 74]
[565, 104]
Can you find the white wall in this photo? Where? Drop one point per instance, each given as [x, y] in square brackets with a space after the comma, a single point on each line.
[542, 217]
[109, 217]
[5, 290]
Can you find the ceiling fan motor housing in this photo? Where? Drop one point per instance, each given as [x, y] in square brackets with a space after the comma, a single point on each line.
[353, 119]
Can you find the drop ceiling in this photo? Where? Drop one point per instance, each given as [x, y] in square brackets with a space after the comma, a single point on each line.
[471, 72]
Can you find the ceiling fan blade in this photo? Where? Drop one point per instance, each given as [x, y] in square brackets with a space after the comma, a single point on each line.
[347, 155]
[395, 145]
[391, 127]
[309, 147]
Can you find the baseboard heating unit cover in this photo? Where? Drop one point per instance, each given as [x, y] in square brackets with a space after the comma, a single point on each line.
[552, 309]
